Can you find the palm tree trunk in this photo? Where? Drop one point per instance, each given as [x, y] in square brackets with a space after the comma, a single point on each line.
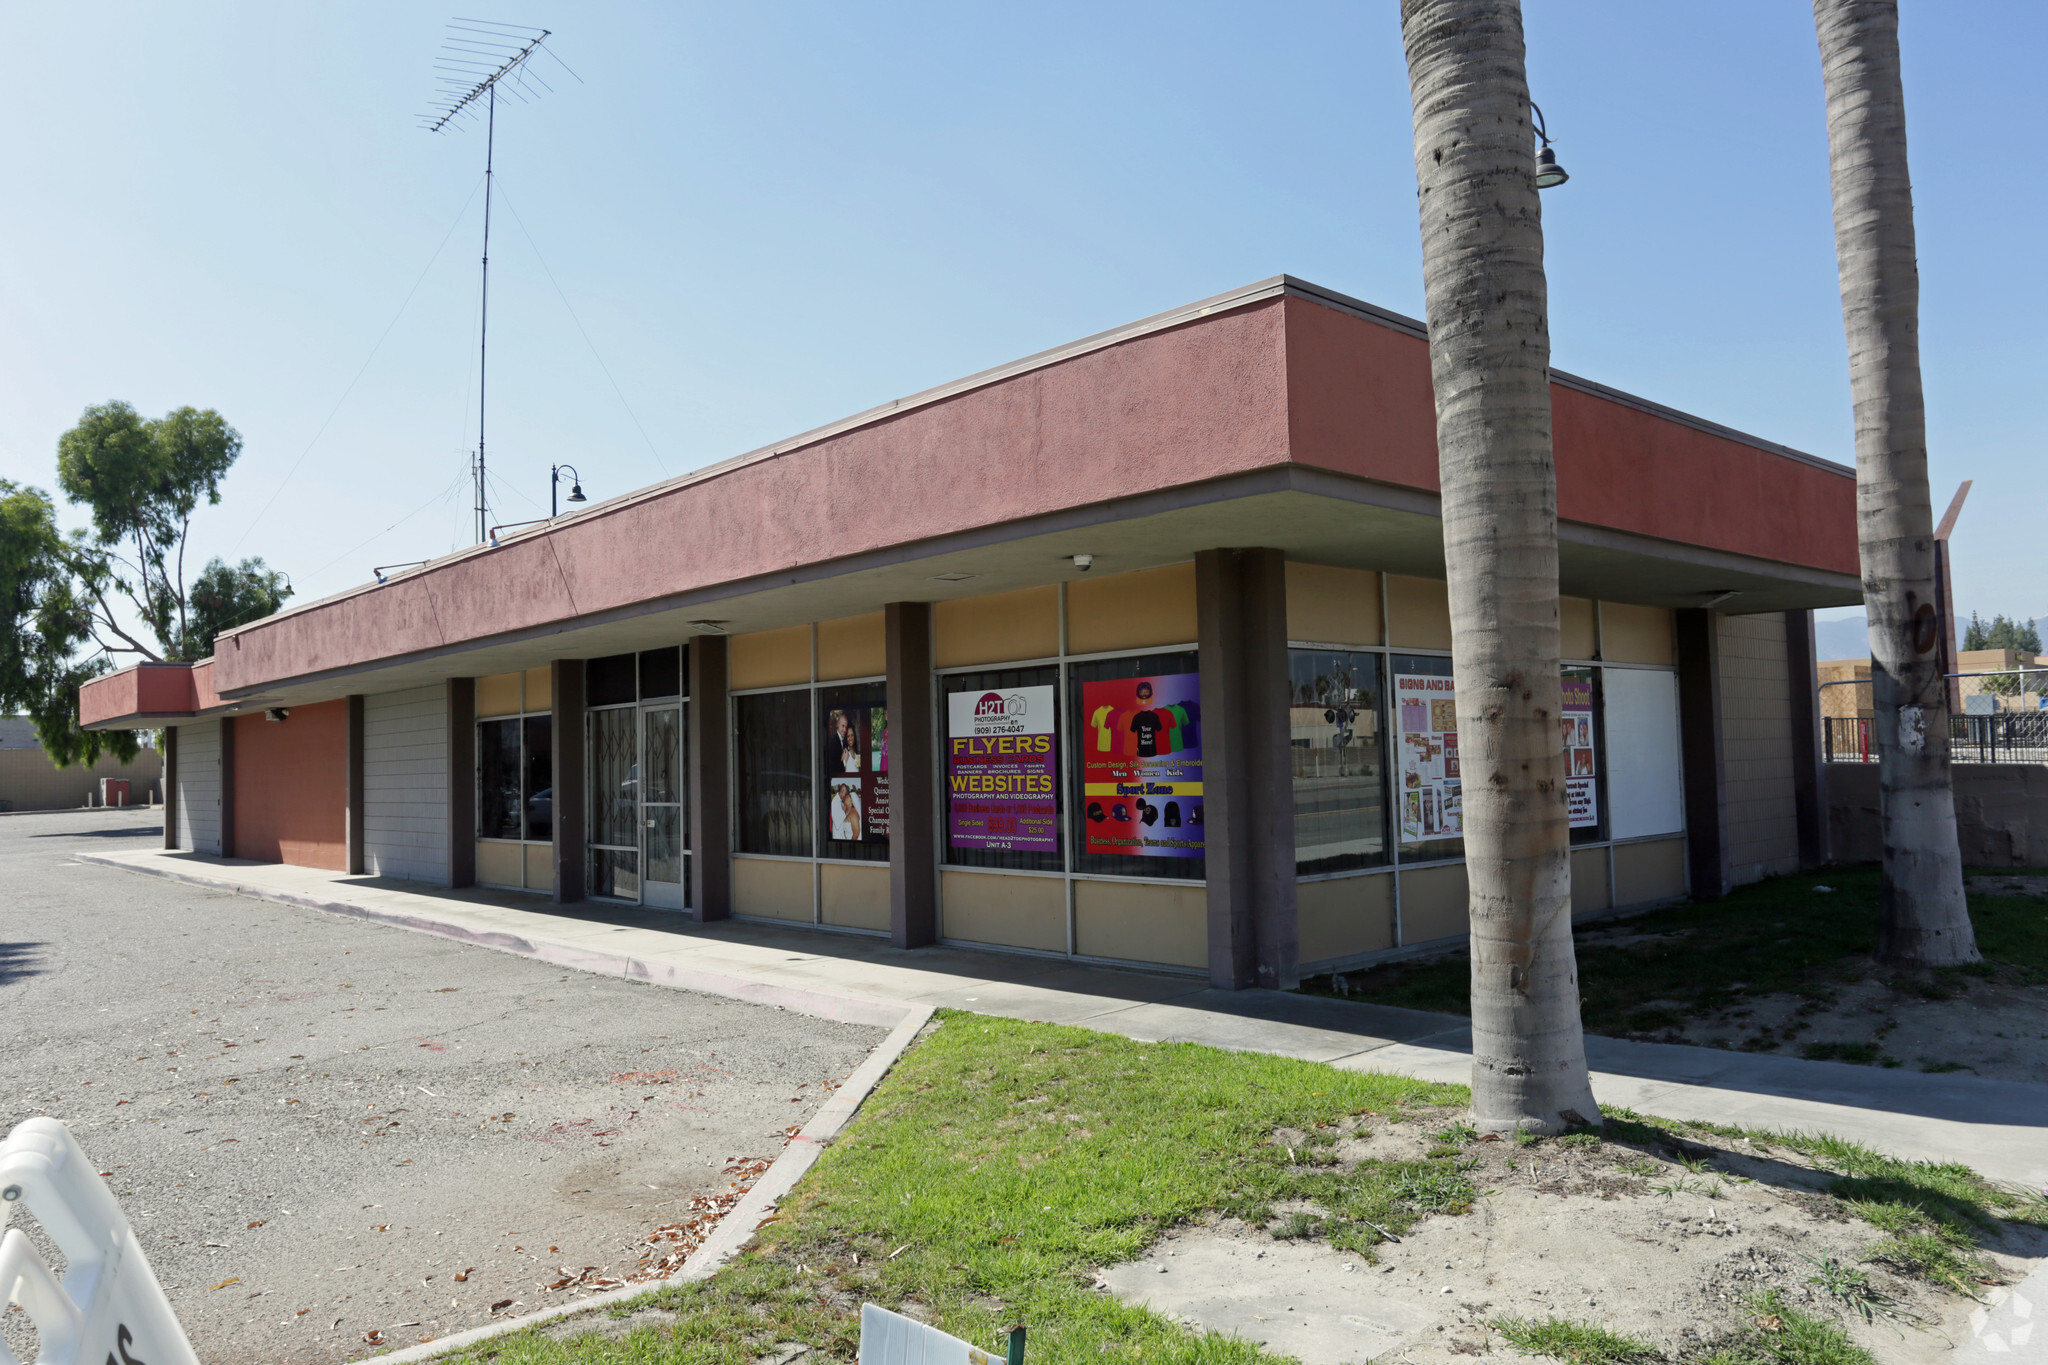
[1489, 354]
[1926, 920]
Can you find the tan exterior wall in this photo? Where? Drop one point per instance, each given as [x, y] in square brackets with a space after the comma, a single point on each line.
[1332, 606]
[1651, 871]
[853, 647]
[1345, 916]
[997, 628]
[1418, 612]
[29, 781]
[1435, 903]
[1590, 892]
[770, 658]
[1140, 922]
[500, 864]
[1637, 635]
[1756, 745]
[497, 695]
[772, 889]
[540, 867]
[1579, 632]
[1009, 912]
[854, 897]
[540, 688]
[1132, 610]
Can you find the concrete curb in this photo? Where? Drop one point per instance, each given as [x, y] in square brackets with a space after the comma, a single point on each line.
[737, 1228]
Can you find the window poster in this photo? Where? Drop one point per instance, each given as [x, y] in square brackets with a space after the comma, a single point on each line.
[1001, 766]
[856, 763]
[1431, 795]
[1141, 766]
[1581, 788]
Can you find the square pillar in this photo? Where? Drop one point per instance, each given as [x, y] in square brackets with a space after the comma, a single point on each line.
[461, 782]
[913, 775]
[227, 786]
[1809, 773]
[709, 736]
[1247, 778]
[170, 778]
[566, 719]
[1700, 748]
[352, 817]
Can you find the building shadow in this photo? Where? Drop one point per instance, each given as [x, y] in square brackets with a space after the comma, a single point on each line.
[128, 832]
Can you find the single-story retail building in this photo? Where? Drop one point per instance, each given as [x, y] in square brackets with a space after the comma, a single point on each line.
[1136, 650]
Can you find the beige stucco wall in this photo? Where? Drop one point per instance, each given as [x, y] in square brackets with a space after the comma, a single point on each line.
[1418, 612]
[1637, 635]
[1589, 882]
[1007, 911]
[29, 781]
[1332, 606]
[854, 897]
[997, 627]
[770, 658]
[1651, 871]
[1141, 922]
[1435, 903]
[1131, 610]
[854, 647]
[772, 889]
[1344, 916]
[1756, 746]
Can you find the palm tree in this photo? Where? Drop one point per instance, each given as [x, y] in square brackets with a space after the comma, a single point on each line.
[1489, 355]
[1926, 921]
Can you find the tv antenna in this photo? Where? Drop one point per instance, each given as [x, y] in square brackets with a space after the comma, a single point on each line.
[479, 58]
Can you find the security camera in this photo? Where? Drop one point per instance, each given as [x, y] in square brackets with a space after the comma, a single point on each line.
[1084, 562]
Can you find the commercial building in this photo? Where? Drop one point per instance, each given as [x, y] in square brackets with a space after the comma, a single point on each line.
[1135, 650]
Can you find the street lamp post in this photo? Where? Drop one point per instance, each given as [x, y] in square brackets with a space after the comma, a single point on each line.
[555, 489]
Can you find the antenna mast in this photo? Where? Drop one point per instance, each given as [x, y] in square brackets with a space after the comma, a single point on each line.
[469, 55]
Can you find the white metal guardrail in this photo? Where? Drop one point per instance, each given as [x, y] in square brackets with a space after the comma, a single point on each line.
[108, 1308]
[888, 1338]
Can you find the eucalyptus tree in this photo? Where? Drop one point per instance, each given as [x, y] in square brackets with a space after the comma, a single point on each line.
[1489, 354]
[1926, 921]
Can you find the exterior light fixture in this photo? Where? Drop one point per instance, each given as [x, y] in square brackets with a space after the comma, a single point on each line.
[1083, 562]
[555, 488]
[1549, 175]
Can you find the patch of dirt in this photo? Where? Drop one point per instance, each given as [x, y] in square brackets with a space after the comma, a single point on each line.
[1667, 1244]
[1991, 1028]
[2001, 885]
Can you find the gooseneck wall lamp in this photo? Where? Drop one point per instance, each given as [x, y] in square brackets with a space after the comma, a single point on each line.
[555, 488]
[1549, 175]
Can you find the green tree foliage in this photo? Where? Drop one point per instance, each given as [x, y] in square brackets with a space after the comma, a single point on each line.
[2022, 637]
[72, 605]
[228, 595]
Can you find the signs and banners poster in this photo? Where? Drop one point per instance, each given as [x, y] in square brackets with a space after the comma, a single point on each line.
[1431, 798]
[1001, 770]
[1581, 786]
[1141, 766]
[856, 763]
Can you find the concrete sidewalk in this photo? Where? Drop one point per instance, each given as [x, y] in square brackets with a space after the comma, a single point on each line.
[2000, 1128]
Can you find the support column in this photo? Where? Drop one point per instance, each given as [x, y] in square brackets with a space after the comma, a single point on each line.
[170, 779]
[461, 782]
[566, 676]
[227, 786]
[352, 818]
[710, 738]
[913, 767]
[1247, 780]
[1699, 741]
[1809, 773]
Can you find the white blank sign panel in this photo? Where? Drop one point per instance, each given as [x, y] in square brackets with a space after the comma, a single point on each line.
[1644, 772]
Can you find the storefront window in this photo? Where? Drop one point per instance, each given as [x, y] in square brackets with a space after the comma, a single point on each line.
[1002, 769]
[1429, 805]
[853, 772]
[772, 762]
[1584, 779]
[1137, 763]
[1339, 760]
[515, 769]
[538, 765]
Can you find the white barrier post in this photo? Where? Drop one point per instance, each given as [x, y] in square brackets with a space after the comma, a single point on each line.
[888, 1338]
[108, 1309]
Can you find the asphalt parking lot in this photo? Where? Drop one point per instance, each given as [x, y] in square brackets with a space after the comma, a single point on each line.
[302, 1173]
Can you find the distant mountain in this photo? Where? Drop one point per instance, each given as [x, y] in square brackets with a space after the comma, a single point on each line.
[1849, 638]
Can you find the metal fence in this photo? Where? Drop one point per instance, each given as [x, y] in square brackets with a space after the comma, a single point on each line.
[2002, 737]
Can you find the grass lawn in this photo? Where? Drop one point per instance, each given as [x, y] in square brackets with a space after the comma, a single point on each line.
[1001, 1162]
[1781, 935]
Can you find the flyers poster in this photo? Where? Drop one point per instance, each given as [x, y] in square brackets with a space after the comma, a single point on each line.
[1141, 766]
[1581, 782]
[1431, 798]
[1001, 770]
[856, 765]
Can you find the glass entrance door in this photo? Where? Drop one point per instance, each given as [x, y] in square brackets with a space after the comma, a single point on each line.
[615, 804]
[662, 823]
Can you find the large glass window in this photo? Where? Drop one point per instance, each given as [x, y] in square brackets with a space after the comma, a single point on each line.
[1003, 800]
[614, 804]
[1137, 764]
[853, 772]
[1339, 760]
[772, 772]
[1429, 805]
[515, 774]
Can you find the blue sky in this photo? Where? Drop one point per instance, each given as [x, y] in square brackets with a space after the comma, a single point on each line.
[764, 217]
